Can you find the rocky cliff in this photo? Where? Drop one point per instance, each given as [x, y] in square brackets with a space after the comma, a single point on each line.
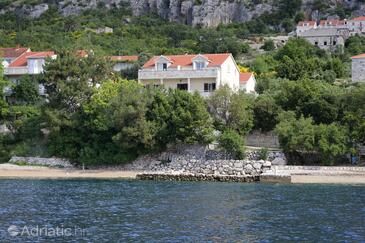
[192, 12]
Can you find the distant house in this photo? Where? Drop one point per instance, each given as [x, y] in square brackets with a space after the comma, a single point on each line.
[103, 30]
[31, 63]
[247, 82]
[326, 38]
[123, 62]
[306, 25]
[18, 62]
[8, 55]
[358, 68]
[203, 73]
[356, 25]
[333, 23]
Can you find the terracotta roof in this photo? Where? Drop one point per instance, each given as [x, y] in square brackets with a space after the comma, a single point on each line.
[21, 61]
[358, 56]
[187, 60]
[12, 52]
[361, 18]
[245, 77]
[124, 58]
[81, 53]
[334, 22]
[307, 23]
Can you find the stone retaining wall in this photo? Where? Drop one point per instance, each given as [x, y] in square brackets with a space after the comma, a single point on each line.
[215, 167]
[258, 139]
[50, 162]
[194, 177]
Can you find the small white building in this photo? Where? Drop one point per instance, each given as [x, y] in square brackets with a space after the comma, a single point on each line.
[203, 73]
[248, 82]
[358, 68]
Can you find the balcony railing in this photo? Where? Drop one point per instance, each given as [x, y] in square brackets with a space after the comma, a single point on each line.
[16, 71]
[174, 73]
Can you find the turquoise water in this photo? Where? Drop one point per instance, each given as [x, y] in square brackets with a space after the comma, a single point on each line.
[137, 211]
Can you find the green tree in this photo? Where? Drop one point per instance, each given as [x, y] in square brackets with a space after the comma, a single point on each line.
[266, 112]
[231, 110]
[269, 45]
[27, 90]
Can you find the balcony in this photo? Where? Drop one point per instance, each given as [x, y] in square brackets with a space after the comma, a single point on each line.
[144, 74]
[15, 71]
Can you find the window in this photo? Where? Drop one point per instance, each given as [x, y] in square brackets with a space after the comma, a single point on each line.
[164, 66]
[325, 43]
[182, 86]
[209, 87]
[316, 43]
[199, 65]
[334, 43]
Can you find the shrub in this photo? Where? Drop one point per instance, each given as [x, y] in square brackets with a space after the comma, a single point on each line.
[232, 143]
[263, 153]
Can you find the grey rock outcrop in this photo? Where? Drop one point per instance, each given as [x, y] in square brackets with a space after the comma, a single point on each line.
[192, 12]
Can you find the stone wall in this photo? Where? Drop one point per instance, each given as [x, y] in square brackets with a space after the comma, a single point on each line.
[264, 140]
[216, 167]
[193, 153]
[50, 162]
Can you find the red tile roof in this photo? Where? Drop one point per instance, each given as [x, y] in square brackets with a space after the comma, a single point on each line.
[81, 53]
[358, 56]
[124, 58]
[307, 23]
[334, 22]
[12, 52]
[245, 77]
[187, 60]
[21, 61]
[361, 18]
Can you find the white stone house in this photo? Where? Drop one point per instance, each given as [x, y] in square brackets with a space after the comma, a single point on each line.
[28, 63]
[358, 68]
[203, 73]
[248, 82]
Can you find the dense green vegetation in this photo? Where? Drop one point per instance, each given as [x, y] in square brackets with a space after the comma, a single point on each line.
[93, 116]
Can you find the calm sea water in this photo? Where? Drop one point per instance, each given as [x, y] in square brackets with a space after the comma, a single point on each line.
[137, 211]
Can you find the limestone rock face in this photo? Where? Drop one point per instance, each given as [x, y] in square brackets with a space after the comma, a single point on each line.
[207, 13]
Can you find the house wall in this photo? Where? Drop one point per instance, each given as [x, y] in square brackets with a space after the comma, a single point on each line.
[122, 66]
[356, 27]
[358, 70]
[230, 74]
[340, 41]
[249, 87]
[195, 84]
[35, 66]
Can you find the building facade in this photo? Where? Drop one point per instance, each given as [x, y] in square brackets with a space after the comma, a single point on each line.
[358, 68]
[203, 73]
[329, 39]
